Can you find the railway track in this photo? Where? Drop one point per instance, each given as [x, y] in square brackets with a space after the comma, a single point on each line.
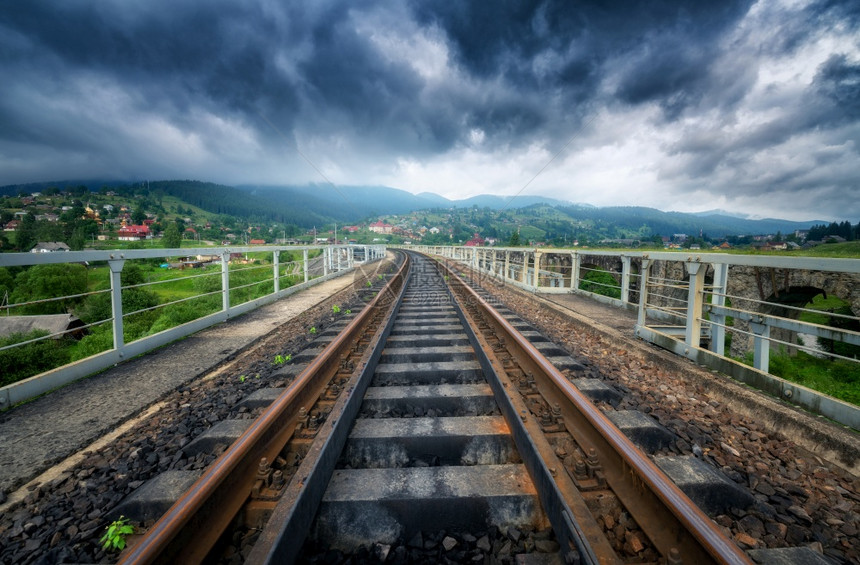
[432, 412]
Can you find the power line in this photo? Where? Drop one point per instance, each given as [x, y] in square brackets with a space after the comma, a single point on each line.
[305, 157]
[560, 151]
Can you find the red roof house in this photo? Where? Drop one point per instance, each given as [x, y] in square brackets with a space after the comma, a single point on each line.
[134, 233]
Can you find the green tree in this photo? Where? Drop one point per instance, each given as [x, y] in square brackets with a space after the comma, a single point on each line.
[28, 360]
[25, 235]
[78, 239]
[49, 231]
[49, 281]
[138, 216]
[97, 307]
[7, 283]
[514, 241]
[172, 238]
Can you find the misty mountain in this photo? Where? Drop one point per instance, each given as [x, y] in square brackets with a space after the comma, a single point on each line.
[635, 218]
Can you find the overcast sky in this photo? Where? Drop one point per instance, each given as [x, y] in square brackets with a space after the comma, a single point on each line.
[747, 107]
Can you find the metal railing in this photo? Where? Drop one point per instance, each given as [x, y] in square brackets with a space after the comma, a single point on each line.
[695, 304]
[128, 318]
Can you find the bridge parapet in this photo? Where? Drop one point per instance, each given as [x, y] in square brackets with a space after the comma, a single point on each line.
[690, 303]
[225, 282]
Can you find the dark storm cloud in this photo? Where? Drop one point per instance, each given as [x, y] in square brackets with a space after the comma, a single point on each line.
[668, 46]
[839, 81]
[175, 56]
[164, 87]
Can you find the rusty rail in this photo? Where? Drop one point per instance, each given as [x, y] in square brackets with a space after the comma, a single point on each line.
[192, 526]
[670, 519]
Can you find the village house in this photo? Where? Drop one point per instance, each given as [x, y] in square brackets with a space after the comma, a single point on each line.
[57, 325]
[476, 241]
[381, 227]
[134, 233]
[50, 247]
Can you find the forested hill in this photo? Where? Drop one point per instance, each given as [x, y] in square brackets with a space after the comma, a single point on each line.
[318, 204]
[297, 209]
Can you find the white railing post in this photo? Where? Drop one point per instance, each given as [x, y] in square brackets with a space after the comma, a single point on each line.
[225, 281]
[305, 260]
[695, 293]
[524, 274]
[718, 331]
[507, 265]
[625, 279]
[116, 302]
[575, 264]
[276, 267]
[538, 257]
[326, 259]
[761, 345]
[643, 291]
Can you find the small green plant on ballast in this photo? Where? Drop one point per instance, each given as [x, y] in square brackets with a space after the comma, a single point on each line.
[281, 359]
[335, 309]
[114, 538]
[242, 378]
[313, 330]
[348, 311]
[369, 284]
[380, 277]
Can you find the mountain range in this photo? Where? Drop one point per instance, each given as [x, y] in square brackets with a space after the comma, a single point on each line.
[318, 204]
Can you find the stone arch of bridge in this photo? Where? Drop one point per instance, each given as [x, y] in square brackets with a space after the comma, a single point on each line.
[754, 288]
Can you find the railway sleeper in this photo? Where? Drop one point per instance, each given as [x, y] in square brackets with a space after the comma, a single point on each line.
[430, 450]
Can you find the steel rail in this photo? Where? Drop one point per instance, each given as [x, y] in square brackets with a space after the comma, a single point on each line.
[187, 532]
[631, 469]
[280, 540]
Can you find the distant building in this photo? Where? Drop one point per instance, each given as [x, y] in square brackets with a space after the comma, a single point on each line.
[51, 323]
[380, 227]
[476, 241]
[134, 233]
[49, 247]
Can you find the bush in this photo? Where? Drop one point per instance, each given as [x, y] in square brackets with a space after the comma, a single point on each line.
[602, 282]
[49, 281]
[177, 314]
[209, 283]
[22, 362]
[100, 339]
